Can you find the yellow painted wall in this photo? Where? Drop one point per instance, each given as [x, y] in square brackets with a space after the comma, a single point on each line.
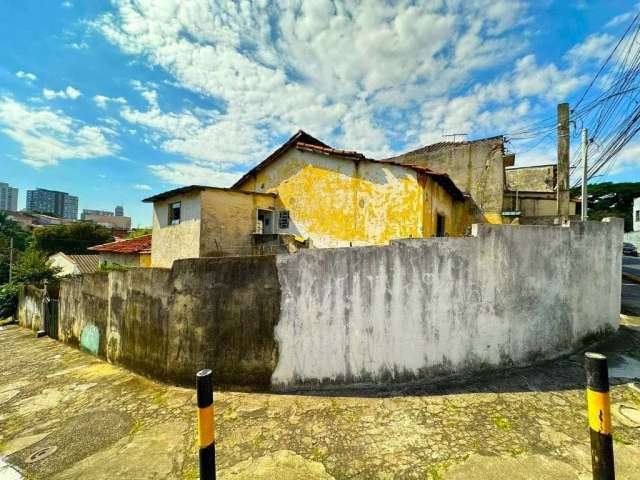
[171, 242]
[228, 220]
[145, 260]
[340, 202]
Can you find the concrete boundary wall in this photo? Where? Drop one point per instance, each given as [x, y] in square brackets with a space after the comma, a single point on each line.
[30, 307]
[509, 295]
[415, 309]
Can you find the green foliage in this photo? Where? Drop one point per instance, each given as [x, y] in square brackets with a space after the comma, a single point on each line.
[8, 300]
[33, 267]
[609, 199]
[21, 238]
[139, 232]
[73, 238]
[110, 267]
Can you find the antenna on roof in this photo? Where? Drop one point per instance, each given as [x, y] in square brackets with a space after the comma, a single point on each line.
[454, 135]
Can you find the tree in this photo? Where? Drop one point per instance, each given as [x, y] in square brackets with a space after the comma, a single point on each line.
[139, 232]
[10, 229]
[73, 238]
[33, 267]
[610, 199]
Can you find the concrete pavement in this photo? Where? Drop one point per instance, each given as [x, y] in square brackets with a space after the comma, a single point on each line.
[66, 415]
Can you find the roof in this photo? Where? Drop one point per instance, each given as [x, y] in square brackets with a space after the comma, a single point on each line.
[131, 245]
[194, 188]
[85, 263]
[331, 151]
[434, 147]
[301, 136]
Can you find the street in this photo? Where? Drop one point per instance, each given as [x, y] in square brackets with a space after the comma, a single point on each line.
[65, 414]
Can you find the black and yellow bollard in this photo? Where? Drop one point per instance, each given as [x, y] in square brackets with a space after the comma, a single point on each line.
[599, 411]
[206, 427]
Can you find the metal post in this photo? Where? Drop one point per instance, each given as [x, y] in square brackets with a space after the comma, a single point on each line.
[10, 259]
[585, 197]
[599, 413]
[206, 427]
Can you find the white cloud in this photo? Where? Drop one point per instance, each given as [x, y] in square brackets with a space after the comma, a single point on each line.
[358, 75]
[29, 77]
[102, 100]
[67, 4]
[141, 186]
[47, 137]
[69, 92]
[595, 47]
[189, 174]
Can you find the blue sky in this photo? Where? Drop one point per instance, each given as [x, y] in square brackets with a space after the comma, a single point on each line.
[114, 101]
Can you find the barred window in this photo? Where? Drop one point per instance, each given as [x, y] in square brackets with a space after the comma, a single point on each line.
[283, 220]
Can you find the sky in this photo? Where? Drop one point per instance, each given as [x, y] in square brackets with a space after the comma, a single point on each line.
[115, 101]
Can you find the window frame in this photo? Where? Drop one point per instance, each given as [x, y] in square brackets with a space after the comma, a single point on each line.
[171, 219]
[284, 216]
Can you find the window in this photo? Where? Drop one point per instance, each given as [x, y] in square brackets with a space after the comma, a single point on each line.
[174, 213]
[283, 220]
[440, 221]
[637, 215]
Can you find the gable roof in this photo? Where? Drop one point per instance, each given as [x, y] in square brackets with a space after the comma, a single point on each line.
[131, 245]
[300, 136]
[85, 263]
[434, 147]
[193, 188]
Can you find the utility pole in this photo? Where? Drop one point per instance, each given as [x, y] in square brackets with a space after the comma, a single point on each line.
[563, 162]
[585, 147]
[10, 259]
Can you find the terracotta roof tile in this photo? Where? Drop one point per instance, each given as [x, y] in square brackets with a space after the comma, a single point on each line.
[131, 245]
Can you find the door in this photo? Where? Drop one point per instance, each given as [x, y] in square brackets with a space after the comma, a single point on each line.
[440, 222]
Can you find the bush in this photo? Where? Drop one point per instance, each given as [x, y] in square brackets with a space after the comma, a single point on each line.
[8, 300]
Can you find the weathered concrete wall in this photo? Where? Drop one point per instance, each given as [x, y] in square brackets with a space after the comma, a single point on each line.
[418, 308]
[338, 202]
[165, 323]
[537, 178]
[171, 242]
[228, 220]
[476, 168]
[30, 307]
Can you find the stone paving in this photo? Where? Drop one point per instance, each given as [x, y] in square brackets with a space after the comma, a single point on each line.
[66, 415]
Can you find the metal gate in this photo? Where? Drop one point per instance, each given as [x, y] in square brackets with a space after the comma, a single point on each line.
[51, 318]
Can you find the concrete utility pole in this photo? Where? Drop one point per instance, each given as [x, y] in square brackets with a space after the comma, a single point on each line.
[585, 147]
[563, 161]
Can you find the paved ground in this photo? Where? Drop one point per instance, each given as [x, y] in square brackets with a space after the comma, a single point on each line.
[67, 415]
[631, 265]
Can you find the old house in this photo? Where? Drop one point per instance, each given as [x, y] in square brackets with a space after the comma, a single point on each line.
[530, 193]
[485, 170]
[68, 264]
[132, 252]
[307, 195]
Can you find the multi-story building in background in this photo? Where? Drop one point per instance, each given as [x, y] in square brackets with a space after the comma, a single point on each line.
[60, 204]
[88, 213]
[8, 197]
[107, 218]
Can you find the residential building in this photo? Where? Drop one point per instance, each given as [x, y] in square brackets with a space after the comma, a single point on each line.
[30, 220]
[636, 214]
[132, 252]
[74, 264]
[119, 211]
[8, 197]
[107, 219]
[59, 204]
[102, 213]
[485, 171]
[306, 195]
